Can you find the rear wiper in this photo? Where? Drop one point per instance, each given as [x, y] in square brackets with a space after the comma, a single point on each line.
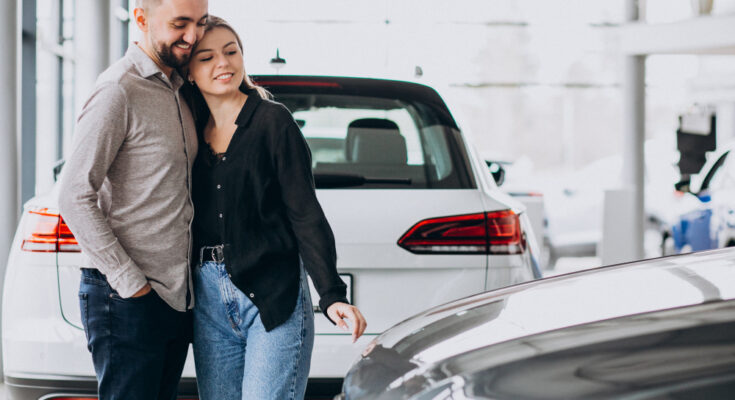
[338, 180]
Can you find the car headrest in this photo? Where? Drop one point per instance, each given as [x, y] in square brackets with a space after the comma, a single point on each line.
[375, 141]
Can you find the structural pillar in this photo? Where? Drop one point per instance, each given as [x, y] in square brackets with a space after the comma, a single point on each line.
[634, 125]
[9, 205]
[634, 141]
[624, 216]
[27, 99]
[91, 46]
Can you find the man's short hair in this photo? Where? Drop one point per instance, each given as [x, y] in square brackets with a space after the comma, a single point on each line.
[147, 4]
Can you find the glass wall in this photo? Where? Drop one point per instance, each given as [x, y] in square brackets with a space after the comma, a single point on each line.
[58, 64]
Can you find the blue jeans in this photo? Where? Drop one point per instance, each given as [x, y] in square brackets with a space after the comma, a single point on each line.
[234, 355]
[138, 345]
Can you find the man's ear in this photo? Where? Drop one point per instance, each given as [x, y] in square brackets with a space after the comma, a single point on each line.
[140, 19]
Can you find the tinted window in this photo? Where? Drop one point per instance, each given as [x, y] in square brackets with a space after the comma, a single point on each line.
[392, 143]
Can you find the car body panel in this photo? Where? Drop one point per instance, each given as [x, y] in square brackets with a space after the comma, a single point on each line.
[524, 320]
[641, 356]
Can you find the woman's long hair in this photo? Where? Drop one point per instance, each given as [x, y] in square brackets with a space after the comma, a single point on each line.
[194, 97]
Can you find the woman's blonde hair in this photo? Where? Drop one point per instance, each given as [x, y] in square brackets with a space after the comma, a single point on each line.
[194, 97]
[217, 22]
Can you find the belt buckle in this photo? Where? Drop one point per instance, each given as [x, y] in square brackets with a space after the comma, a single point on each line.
[218, 253]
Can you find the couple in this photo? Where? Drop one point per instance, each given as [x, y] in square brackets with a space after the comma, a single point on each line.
[187, 183]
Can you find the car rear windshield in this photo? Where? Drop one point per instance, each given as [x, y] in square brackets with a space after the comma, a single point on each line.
[367, 142]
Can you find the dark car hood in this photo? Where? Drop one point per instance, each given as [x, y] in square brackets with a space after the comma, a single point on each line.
[415, 354]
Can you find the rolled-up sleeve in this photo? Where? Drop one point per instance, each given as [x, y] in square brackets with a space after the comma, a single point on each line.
[100, 132]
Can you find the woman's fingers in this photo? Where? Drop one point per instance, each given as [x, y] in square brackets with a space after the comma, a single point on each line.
[358, 322]
[335, 314]
[350, 314]
[363, 322]
[338, 311]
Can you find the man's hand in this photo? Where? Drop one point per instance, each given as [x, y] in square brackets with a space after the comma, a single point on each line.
[143, 291]
[338, 311]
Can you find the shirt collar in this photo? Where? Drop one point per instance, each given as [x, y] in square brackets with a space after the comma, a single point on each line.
[249, 107]
[148, 68]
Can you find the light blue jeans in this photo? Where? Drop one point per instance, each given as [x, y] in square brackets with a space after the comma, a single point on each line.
[234, 355]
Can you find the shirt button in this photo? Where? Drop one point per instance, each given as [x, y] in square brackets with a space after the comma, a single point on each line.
[252, 295]
[220, 215]
[229, 275]
[219, 186]
[224, 158]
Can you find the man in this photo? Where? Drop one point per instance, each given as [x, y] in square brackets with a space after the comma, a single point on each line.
[125, 196]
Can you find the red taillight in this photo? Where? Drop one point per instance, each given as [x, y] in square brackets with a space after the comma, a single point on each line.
[46, 232]
[504, 233]
[483, 233]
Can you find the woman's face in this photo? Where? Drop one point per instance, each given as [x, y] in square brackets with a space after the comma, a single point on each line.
[217, 65]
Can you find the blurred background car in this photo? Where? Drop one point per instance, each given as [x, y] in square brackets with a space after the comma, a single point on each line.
[709, 222]
[653, 329]
[574, 202]
[416, 215]
[512, 180]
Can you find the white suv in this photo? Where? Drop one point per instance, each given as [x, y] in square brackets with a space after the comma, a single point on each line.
[417, 217]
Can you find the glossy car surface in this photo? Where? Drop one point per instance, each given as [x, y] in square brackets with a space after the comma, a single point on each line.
[659, 329]
[417, 219]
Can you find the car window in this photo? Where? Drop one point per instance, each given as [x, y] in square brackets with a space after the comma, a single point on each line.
[398, 144]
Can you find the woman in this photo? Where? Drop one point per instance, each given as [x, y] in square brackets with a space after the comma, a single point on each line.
[257, 228]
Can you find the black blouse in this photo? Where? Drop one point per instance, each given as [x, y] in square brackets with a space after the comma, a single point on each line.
[259, 200]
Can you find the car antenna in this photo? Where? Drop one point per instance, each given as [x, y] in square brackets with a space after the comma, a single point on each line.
[278, 62]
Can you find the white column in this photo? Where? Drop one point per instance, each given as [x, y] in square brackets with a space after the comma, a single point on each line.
[47, 88]
[624, 209]
[91, 46]
[9, 207]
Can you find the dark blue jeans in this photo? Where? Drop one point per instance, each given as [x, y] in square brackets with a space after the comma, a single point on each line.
[138, 345]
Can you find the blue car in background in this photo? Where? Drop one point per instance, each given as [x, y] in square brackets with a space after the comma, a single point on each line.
[711, 224]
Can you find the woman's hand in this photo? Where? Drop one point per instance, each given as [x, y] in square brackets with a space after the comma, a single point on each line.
[338, 311]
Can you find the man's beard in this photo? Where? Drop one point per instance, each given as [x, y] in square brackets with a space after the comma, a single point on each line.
[167, 57]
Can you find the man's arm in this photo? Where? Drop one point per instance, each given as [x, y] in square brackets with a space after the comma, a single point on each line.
[100, 132]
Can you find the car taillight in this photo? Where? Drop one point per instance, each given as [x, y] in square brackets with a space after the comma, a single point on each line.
[46, 232]
[504, 233]
[496, 232]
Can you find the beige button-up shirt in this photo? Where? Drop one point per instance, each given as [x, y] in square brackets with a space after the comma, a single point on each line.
[125, 189]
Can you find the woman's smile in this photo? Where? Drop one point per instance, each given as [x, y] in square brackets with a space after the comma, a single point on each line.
[224, 78]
